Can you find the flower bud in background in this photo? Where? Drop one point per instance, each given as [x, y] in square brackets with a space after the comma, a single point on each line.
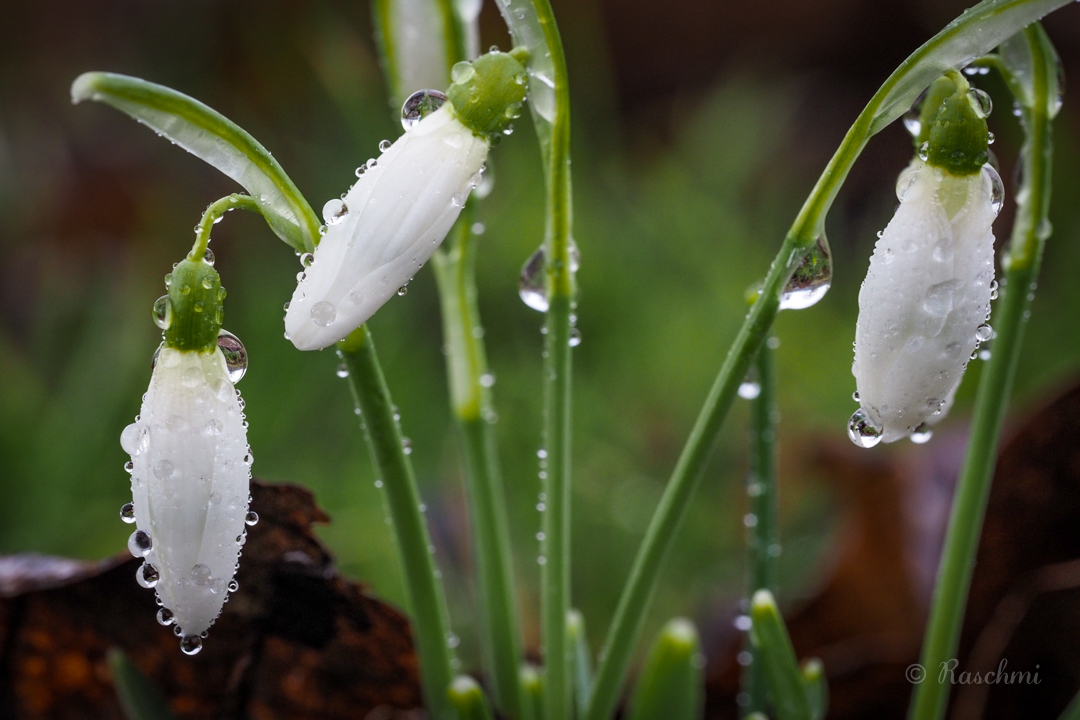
[190, 462]
[404, 203]
[926, 297]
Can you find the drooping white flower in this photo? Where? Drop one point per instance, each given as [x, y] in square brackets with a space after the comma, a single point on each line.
[403, 205]
[926, 297]
[190, 463]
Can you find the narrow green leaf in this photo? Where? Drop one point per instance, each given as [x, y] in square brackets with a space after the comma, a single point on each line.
[468, 699]
[211, 136]
[532, 692]
[138, 696]
[413, 38]
[785, 679]
[527, 31]
[817, 689]
[1072, 712]
[670, 686]
[582, 670]
[976, 32]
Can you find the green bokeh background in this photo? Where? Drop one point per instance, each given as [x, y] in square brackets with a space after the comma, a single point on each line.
[682, 194]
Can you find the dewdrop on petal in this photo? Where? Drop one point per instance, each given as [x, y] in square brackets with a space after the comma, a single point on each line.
[190, 462]
[404, 202]
[926, 296]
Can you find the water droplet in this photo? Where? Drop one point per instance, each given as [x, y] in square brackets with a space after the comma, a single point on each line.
[861, 431]
[191, 644]
[305, 261]
[127, 513]
[208, 257]
[983, 333]
[333, 212]
[236, 359]
[200, 575]
[233, 586]
[531, 284]
[921, 434]
[406, 445]
[855, 396]
[251, 518]
[384, 145]
[135, 439]
[452, 640]
[997, 188]
[343, 370]
[811, 279]
[939, 298]
[419, 105]
[403, 290]
[749, 390]
[147, 576]
[165, 617]
[139, 543]
[750, 520]
[743, 623]
[541, 560]
[990, 138]
[163, 312]
[981, 102]
[575, 337]
[462, 72]
[912, 123]
[487, 380]
[323, 314]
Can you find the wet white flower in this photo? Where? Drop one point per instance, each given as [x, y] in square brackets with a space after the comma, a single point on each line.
[927, 294]
[190, 461]
[403, 205]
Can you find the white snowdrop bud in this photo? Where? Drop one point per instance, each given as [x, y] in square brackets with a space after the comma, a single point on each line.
[927, 294]
[190, 471]
[404, 203]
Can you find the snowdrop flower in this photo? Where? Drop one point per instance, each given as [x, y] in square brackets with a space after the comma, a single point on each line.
[190, 462]
[404, 203]
[926, 297]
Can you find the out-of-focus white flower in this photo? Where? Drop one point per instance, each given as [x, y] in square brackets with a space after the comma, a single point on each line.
[190, 462]
[926, 297]
[404, 203]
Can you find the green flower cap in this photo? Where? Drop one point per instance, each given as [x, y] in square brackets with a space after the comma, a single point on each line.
[487, 93]
[195, 306]
[953, 133]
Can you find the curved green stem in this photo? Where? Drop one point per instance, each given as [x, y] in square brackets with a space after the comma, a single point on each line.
[555, 548]
[466, 369]
[973, 488]
[213, 213]
[761, 488]
[427, 606]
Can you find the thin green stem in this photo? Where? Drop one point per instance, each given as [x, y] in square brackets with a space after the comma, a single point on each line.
[973, 488]
[470, 381]
[427, 606]
[555, 548]
[762, 490]
[213, 213]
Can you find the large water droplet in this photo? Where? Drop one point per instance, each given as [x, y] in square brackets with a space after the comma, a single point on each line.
[921, 434]
[575, 337]
[163, 312]
[532, 286]
[983, 333]
[147, 576]
[135, 439]
[127, 513]
[924, 151]
[462, 72]
[208, 257]
[997, 188]
[236, 358]
[749, 390]
[200, 574]
[334, 211]
[863, 432]
[419, 105]
[251, 518]
[811, 279]
[981, 102]
[165, 617]
[323, 314]
[191, 644]
[140, 544]
[939, 298]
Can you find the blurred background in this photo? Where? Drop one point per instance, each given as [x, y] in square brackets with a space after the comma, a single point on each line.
[699, 128]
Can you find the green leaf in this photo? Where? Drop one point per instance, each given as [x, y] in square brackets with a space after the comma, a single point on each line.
[468, 699]
[209, 135]
[527, 31]
[138, 696]
[582, 664]
[1019, 70]
[817, 689]
[533, 692]
[785, 679]
[976, 32]
[670, 686]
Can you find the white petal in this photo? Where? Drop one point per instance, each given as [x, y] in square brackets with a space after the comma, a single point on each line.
[926, 293]
[190, 482]
[398, 213]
